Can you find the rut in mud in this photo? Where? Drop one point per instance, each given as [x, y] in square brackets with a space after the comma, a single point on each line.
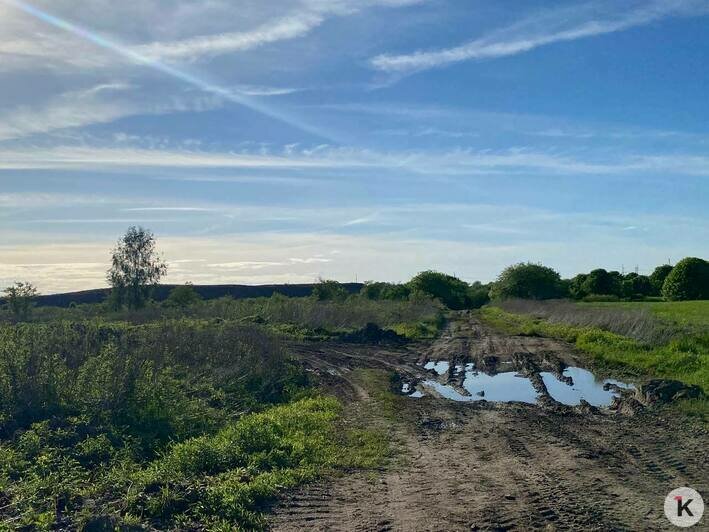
[483, 465]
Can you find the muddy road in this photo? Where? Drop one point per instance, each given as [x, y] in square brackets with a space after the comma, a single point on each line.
[478, 464]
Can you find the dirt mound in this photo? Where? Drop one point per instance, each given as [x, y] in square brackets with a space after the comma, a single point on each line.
[665, 391]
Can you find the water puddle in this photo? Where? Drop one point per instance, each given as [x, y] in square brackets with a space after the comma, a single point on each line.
[440, 367]
[510, 386]
[585, 386]
[503, 387]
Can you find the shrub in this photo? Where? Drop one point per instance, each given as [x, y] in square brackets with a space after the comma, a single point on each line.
[658, 276]
[327, 290]
[451, 291]
[183, 296]
[602, 282]
[688, 280]
[527, 281]
[385, 291]
[637, 286]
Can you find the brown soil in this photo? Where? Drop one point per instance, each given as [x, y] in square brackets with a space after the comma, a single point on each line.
[495, 466]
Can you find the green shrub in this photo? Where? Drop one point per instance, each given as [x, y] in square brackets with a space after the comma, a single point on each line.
[451, 291]
[602, 282]
[183, 296]
[527, 281]
[658, 276]
[688, 280]
[327, 290]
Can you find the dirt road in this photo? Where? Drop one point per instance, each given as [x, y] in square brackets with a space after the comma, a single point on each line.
[484, 465]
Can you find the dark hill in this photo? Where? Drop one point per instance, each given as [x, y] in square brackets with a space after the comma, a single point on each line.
[206, 291]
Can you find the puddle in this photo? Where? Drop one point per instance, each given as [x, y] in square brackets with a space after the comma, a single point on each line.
[416, 395]
[440, 367]
[510, 386]
[585, 387]
[502, 387]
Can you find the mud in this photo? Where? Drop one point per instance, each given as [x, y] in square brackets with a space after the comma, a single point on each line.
[485, 465]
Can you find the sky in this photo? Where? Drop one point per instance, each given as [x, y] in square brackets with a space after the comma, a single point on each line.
[284, 141]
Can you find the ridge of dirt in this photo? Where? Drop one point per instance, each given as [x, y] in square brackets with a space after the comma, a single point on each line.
[495, 466]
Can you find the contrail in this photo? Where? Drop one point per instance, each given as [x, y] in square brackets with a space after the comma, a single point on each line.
[176, 73]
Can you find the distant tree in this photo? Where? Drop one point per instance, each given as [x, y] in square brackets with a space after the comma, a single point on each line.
[602, 282]
[527, 281]
[20, 299]
[576, 286]
[636, 286]
[478, 295]
[380, 290]
[327, 290]
[136, 268]
[657, 277]
[451, 291]
[688, 280]
[183, 296]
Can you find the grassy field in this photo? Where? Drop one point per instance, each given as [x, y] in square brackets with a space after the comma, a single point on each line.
[681, 313]
[683, 356]
[194, 418]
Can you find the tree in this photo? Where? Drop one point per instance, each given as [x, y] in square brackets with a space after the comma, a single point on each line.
[688, 280]
[657, 277]
[451, 291]
[602, 282]
[183, 296]
[327, 290]
[20, 299]
[576, 286]
[527, 281]
[135, 269]
[637, 286]
[380, 290]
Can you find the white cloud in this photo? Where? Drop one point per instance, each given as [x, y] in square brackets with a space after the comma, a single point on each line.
[565, 24]
[457, 162]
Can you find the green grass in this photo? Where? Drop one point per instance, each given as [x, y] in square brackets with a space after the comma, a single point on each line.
[221, 481]
[682, 313]
[685, 359]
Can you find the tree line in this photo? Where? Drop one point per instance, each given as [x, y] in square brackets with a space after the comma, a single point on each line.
[136, 268]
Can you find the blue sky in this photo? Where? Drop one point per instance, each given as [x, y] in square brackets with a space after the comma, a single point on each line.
[282, 141]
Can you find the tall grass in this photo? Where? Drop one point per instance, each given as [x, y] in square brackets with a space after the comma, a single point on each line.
[636, 323]
[352, 313]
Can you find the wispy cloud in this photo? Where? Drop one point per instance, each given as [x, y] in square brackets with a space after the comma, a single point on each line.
[287, 28]
[559, 25]
[455, 162]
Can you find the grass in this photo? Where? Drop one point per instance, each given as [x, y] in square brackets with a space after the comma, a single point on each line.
[52, 475]
[684, 358]
[170, 423]
[693, 314]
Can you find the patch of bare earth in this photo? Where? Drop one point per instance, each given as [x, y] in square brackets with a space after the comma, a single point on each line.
[495, 466]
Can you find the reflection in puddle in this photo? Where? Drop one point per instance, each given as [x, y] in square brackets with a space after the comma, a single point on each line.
[503, 387]
[440, 367]
[510, 386]
[585, 387]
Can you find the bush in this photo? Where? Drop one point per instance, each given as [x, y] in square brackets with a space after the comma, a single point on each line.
[183, 296]
[451, 291]
[658, 276]
[602, 282]
[637, 286]
[527, 281]
[329, 291]
[385, 291]
[688, 280]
